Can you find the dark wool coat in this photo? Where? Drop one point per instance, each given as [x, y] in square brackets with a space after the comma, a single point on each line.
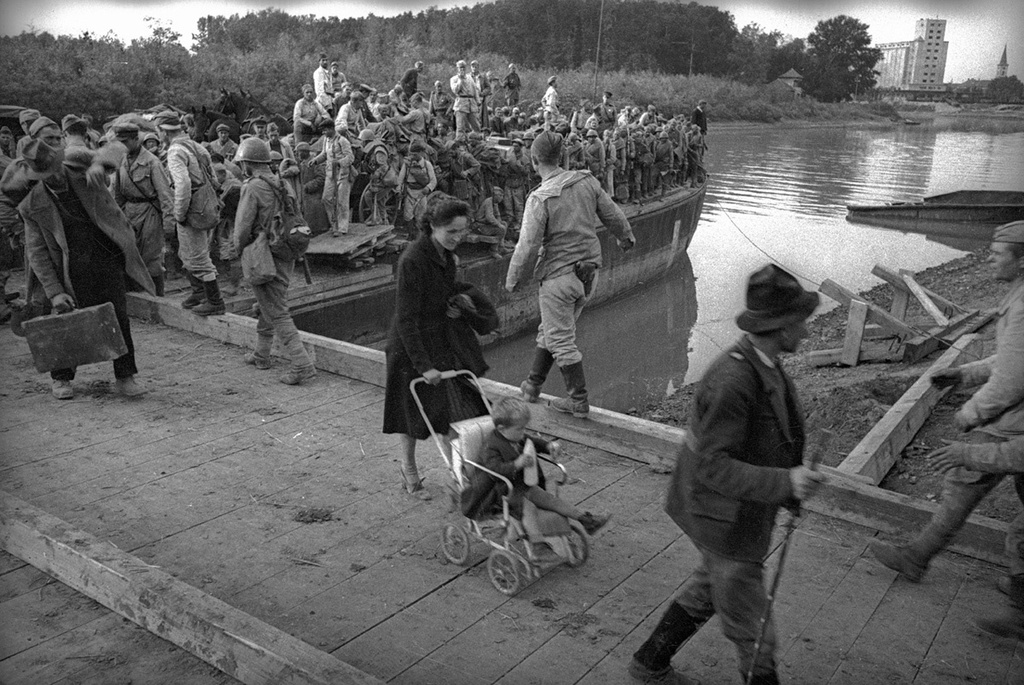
[746, 431]
[424, 337]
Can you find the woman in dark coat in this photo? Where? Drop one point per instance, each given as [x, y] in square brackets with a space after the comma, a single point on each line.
[434, 329]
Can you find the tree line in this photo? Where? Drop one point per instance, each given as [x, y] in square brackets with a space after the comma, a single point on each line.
[272, 53]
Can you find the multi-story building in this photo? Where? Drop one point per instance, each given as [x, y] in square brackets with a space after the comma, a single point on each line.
[918, 64]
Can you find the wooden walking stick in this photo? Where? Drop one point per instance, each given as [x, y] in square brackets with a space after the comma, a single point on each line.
[820, 448]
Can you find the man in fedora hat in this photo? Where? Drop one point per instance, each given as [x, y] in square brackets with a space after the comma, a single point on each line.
[81, 249]
[742, 459]
[994, 414]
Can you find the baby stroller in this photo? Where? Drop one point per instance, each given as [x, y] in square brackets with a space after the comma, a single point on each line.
[516, 556]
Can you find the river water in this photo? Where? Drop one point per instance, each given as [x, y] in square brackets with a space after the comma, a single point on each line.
[773, 195]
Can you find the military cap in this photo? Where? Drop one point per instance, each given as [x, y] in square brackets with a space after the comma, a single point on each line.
[517, 141]
[551, 79]
[276, 156]
[78, 158]
[307, 88]
[126, 131]
[39, 124]
[512, 66]
[223, 127]
[302, 147]
[70, 120]
[461, 63]
[326, 125]
[546, 144]
[591, 133]
[42, 160]
[5, 129]
[167, 121]
[259, 121]
[28, 115]
[1012, 232]
[474, 62]
[148, 136]
[357, 95]
[663, 134]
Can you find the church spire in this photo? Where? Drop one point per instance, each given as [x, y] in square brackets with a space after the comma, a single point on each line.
[1003, 65]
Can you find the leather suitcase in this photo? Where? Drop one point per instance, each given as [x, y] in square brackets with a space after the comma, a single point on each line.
[83, 336]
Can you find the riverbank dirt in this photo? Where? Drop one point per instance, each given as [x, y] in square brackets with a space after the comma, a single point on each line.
[849, 401]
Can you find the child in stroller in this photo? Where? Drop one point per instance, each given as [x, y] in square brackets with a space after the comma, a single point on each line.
[507, 453]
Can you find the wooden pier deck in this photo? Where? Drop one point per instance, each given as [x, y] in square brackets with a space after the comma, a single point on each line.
[205, 476]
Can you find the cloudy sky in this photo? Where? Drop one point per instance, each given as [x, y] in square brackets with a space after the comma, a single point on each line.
[976, 29]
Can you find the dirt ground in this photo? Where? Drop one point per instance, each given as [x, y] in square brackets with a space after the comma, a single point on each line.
[849, 401]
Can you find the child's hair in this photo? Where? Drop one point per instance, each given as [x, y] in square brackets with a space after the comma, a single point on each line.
[510, 411]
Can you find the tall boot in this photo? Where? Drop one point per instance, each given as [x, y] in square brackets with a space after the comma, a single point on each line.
[765, 679]
[158, 285]
[576, 387]
[652, 663]
[1010, 621]
[198, 295]
[542, 363]
[214, 302]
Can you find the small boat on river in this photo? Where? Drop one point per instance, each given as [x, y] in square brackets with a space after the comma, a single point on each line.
[969, 215]
[357, 306]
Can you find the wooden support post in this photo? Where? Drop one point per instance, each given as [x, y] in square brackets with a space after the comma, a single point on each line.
[942, 337]
[878, 451]
[926, 302]
[900, 302]
[876, 314]
[238, 644]
[854, 332]
[948, 307]
[869, 352]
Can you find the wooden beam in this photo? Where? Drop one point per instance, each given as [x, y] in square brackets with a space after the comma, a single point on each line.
[875, 313]
[854, 332]
[922, 297]
[942, 337]
[878, 451]
[897, 514]
[869, 352]
[949, 308]
[626, 436]
[900, 302]
[238, 644]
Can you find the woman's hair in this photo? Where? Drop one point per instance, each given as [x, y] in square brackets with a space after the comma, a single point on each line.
[441, 209]
[510, 411]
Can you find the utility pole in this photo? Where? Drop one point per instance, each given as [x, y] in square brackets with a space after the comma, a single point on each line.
[597, 55]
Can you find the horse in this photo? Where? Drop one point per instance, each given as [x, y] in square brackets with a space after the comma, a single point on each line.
[245, 108]
[206, 122]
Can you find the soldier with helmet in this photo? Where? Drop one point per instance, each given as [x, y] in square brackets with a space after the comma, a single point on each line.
[260, 201]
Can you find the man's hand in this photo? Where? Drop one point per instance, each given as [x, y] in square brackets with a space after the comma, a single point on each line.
[62, 304]
[432, 376]
[962, 422]
[627, 244]
[805, 481]
[510, 287]
[96, 176]
[947, 378]
[951, 456]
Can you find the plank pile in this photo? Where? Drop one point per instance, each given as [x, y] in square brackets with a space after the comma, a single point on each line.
[362, 246]
[874, 334]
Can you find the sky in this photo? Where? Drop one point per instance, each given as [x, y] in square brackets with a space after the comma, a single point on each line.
[976, 29]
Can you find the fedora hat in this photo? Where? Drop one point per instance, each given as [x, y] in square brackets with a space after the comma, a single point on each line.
[775, 300]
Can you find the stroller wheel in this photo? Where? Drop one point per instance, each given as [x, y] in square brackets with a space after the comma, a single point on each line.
[578, 545]
[455, 544]
[503, 569]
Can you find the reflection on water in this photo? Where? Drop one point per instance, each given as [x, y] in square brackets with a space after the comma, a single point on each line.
[780, 195]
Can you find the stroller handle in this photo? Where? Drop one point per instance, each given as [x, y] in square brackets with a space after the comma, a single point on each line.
[445, 375]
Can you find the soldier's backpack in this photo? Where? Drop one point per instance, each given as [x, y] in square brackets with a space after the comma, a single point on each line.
[289, 235]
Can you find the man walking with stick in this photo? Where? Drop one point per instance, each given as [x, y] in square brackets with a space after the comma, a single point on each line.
[742, 460]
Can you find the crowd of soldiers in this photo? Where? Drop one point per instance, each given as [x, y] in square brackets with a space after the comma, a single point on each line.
[380, 153]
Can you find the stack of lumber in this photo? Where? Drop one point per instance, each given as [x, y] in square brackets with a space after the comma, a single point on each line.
[362, 246]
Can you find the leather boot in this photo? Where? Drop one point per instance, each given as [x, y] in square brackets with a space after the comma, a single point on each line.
[765, 679]
[198, 295]
[1010, 621]
[158, 285]
[652, 663]
[576, 387]
[542, 363]
[214, 302]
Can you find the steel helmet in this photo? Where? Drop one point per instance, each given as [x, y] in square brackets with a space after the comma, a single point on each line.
[253, 150]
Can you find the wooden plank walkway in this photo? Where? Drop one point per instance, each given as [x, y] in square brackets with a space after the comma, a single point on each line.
[204, 476]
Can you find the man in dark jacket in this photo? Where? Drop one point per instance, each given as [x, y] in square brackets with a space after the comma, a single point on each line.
[741, 461]
[698, 118]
